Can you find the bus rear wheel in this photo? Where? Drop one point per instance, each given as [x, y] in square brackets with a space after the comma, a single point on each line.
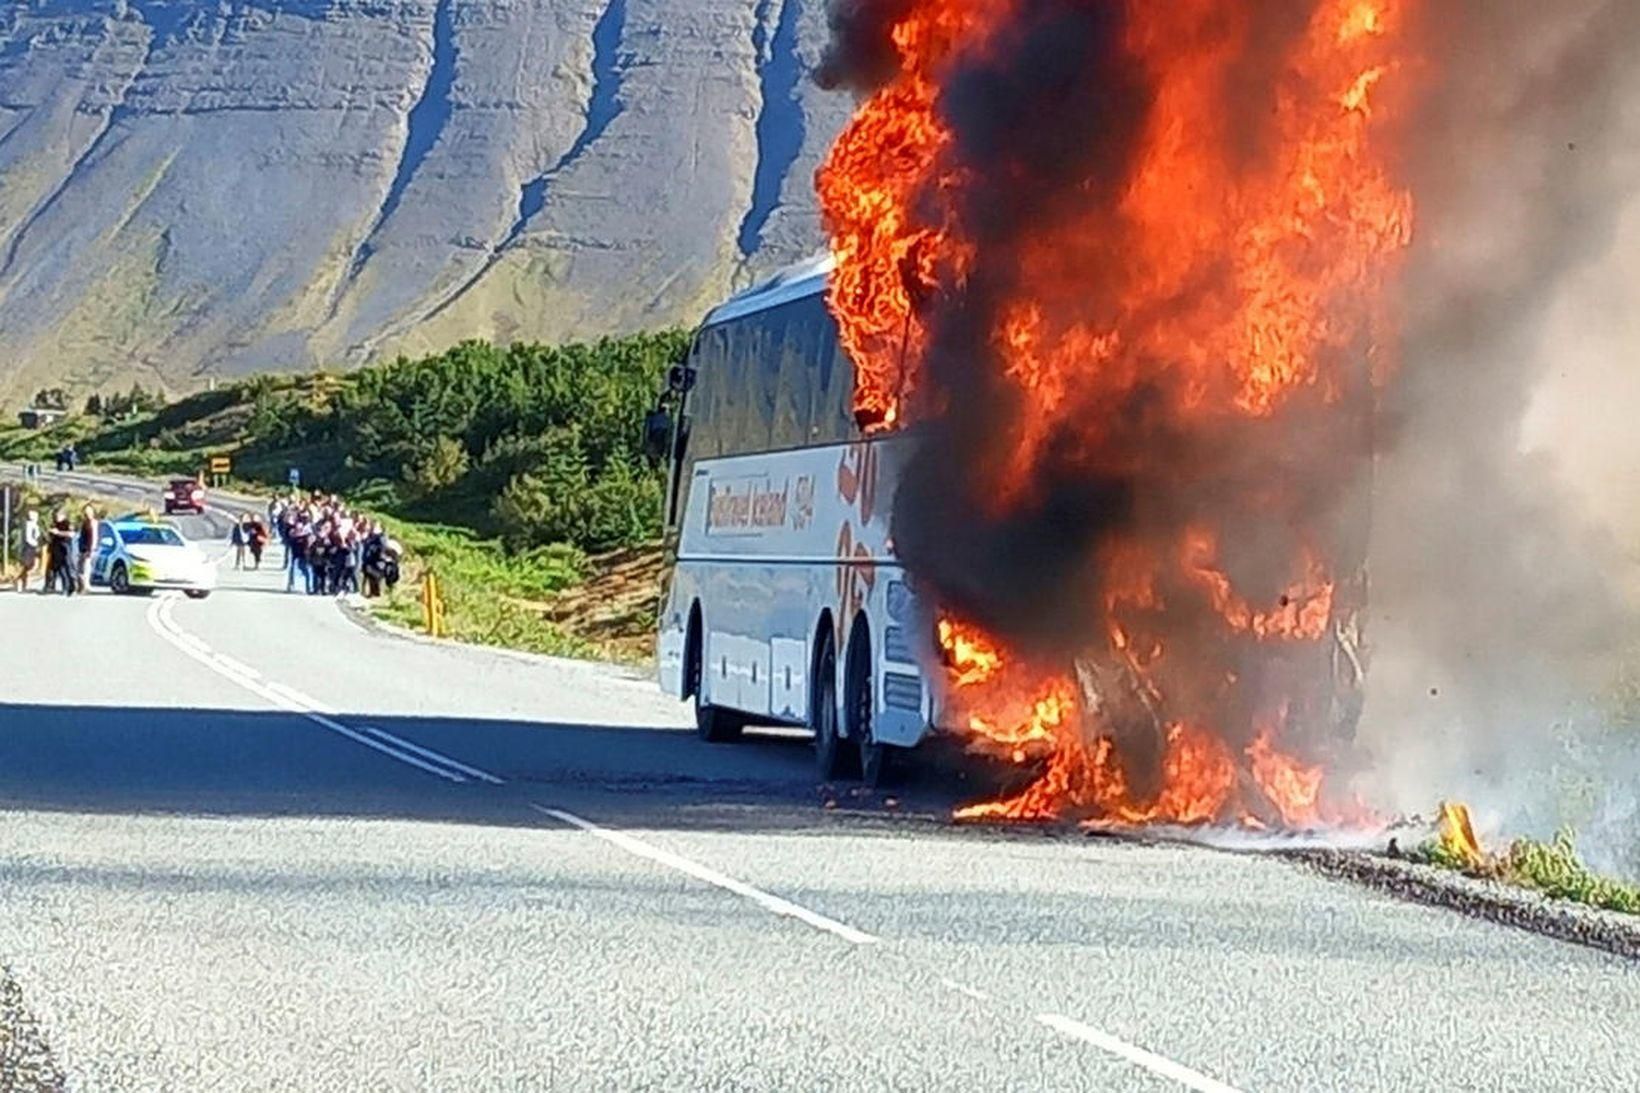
[873, 756]
[712, 724]
[831, 757]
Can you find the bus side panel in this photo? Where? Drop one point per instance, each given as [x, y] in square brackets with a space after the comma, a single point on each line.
[768, 544]
[757, 620]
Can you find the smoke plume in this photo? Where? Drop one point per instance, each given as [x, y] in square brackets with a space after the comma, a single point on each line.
[1502, 604]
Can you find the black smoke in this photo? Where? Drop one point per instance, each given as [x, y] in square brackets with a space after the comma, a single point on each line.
[1044, 123]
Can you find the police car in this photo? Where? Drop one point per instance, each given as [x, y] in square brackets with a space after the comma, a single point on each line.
[138, 554]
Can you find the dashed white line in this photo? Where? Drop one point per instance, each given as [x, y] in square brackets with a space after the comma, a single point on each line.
[768, 901]
[289, 699]
[1138, 1056]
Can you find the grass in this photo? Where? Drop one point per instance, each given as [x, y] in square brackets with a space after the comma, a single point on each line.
[1552, 868]
[490, 597]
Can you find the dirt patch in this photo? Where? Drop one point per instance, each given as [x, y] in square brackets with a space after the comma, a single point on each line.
[615, 607]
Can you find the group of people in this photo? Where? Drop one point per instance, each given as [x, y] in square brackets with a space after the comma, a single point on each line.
[249, 536]
[332, 550]
[66, 546]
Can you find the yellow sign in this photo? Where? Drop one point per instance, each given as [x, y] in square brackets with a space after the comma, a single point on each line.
[220, 464]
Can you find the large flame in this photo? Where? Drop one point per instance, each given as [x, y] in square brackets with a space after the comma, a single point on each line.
[1234, 282]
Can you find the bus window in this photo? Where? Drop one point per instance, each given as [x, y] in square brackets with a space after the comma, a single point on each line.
[770, 380]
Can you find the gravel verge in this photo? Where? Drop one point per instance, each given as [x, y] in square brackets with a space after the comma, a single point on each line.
[1491, 900]
[26, 1065]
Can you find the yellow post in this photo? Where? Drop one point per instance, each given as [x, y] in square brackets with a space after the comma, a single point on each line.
[432, 605]
[427, 603]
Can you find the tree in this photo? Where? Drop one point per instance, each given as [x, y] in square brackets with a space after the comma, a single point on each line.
[442, 466]
[51, 398]
[94, 406]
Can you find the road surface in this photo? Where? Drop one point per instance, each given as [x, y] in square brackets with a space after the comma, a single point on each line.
[251, 844]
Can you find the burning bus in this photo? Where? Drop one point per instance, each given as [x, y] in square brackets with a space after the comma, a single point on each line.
[787, 603]
[1104, 402]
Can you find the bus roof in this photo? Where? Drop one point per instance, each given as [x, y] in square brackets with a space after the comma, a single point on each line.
[792, 283]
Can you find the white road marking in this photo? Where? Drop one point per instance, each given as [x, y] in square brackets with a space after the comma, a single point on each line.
[161, 622]
[481, 775]
[639, 848]
[235, 666]
[302, 699]
[1138, 1056]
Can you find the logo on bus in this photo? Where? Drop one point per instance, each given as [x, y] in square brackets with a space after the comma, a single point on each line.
[746, 505]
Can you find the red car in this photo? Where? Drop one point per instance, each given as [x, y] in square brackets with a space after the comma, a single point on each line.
[184, 495]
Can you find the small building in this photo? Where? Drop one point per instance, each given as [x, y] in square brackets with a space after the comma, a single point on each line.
[38, 417]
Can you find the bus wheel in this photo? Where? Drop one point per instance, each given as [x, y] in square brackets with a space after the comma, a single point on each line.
[714, 725]
[873, 755]
[832, 759]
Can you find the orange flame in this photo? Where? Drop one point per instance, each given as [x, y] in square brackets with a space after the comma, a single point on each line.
[1228, 286]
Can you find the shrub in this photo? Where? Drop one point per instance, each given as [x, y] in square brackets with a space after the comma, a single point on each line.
[442, 466]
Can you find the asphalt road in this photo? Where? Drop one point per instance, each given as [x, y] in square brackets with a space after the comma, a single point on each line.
[251, 844]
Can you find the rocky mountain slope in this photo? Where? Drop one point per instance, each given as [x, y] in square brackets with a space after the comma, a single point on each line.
[199, 187]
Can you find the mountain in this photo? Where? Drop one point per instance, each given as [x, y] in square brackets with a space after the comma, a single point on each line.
[192, 188]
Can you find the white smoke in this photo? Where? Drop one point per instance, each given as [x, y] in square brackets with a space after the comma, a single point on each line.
[1505, 561]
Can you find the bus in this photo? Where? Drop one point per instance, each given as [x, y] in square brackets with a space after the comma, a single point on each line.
[786, 604]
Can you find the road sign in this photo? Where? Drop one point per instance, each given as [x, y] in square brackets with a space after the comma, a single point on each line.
[294, 476]
[220, 464]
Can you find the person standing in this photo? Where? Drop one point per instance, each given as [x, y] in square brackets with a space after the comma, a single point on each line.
[86, 546]
[256, 538]
[296, 548]
[237, 536]
[29, 556]
[60, 554]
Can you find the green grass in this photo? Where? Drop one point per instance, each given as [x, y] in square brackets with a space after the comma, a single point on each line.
[491, 597]
[1552, 868]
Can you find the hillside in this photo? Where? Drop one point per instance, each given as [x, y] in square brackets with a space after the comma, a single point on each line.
[192, 188]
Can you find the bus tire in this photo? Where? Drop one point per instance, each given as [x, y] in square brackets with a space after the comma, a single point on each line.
[716, 725]
[858, 708]
[712, 724]
[831, 757]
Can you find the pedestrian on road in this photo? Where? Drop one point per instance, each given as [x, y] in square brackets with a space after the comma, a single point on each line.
[296, 550]
[60, 554]
[85, 547]
[255, 540]
[237, 536]
[29, 556]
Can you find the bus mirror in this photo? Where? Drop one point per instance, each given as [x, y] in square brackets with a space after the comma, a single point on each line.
[680, 378]
[657, 434]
